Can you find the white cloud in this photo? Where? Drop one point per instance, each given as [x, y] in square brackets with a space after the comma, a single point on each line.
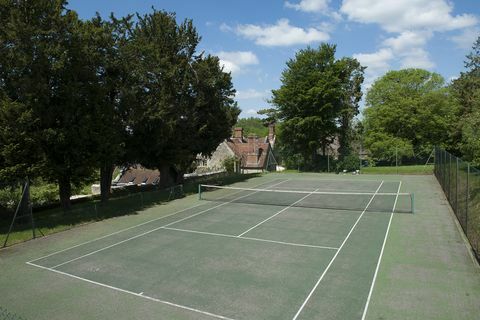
[309, 5]
[234, 61]
[399, 16]
[251, 94]
[466, 38]
[453, 78]
[251, 112]
[407, 40]
[377, 63]
[281, 34]
[417, 58]
[408, 48]
[225, 28]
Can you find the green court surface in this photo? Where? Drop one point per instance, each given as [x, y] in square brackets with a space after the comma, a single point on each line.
[342, 247]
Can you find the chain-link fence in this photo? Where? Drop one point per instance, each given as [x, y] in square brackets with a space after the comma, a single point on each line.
[461, 183]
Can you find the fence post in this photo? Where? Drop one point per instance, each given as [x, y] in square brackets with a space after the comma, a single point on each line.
[456, 186]
[449, 174]
[467, 199]
[444, 170]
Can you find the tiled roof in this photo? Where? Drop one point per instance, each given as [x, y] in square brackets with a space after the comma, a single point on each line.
[253, 152]
[139, 175]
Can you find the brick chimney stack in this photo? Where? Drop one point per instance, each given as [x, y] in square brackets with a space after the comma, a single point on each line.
[238, 133]
[271, 131]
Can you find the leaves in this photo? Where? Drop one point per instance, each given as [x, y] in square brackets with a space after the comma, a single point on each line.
[466, 90]
[409, 110]
[317, 101]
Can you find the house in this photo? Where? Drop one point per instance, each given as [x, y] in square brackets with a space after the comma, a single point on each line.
[138, 175]
[251, 154]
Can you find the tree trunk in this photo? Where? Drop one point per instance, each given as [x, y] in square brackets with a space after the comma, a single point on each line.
[106, 174]
[168, 176]
[65, 190]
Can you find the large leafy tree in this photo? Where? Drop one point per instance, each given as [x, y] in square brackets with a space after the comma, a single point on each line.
[317, 100]
[113, 94]
[351, 76]
[183, 102]
[49, 80]
[408, 112]
[467, 92]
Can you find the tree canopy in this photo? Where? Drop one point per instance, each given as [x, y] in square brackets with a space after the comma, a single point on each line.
[408, 111]
[317, 100]
[183, 100]
[467, 92]
[77, 97]
[253, 125]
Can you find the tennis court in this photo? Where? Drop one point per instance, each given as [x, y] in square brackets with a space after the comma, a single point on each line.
[278, 247]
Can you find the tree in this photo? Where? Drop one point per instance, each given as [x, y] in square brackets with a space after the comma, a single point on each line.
[106, 40]
[351, 75]
[253, 125]
[466, 90]
[408, 112]
[317, 100]
[20, 154]
[47, 71]
[183, 102]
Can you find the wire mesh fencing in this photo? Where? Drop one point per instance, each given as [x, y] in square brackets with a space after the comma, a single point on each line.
[460, 182]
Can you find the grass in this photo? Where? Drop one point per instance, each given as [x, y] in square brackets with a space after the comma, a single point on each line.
[415, 169]
[56, 220]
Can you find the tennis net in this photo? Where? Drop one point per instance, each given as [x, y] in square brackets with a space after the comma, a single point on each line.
[356, 201]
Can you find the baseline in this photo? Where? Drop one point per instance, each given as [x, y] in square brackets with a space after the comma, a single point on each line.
[141, 295]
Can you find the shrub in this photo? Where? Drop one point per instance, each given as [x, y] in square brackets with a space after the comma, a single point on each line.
[349, 163]
[229, 164]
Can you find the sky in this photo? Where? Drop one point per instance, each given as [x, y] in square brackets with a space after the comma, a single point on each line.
[255, 38]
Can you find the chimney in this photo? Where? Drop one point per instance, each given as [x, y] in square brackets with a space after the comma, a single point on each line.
[271, 131]
[252, 138]
[238, 133]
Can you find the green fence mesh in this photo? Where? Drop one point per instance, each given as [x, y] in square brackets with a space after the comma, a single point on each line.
[461, 183]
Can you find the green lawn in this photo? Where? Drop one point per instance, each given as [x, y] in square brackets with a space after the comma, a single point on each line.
[416, 169]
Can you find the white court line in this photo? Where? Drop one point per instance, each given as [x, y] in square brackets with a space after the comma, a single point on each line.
[141, 295]
[381, 254]
[153, 230]
[335, 256]
[132, 227]
[252, 239]
[276, 214]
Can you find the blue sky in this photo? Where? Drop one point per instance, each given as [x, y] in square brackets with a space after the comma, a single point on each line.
[254, 39]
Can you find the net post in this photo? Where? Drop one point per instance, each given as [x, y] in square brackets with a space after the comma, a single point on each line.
[412, 198]
[199, 191]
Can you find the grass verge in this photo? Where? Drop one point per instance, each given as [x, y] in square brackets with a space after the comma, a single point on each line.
[415, 169]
